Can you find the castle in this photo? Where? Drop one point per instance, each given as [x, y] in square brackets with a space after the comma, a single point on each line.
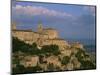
[43, 36]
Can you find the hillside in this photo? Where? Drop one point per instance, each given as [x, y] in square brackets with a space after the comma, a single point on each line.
[29, 58]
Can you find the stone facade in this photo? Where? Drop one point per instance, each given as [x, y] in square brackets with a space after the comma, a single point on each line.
[77, 45]
[43, 36]
[54, 60]
[30, 61]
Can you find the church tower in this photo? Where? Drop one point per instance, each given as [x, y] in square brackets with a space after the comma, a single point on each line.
[40, 27]
[13, 26]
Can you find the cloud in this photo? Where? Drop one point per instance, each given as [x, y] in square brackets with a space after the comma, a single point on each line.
[90, 9]
[85, 20]
[37, 10]
[67, 24]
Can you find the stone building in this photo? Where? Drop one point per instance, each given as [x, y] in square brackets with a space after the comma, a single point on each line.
[43, 36]
[54, 60]
[77, 45]
[30, 61]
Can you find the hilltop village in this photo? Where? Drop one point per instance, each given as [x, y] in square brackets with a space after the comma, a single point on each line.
[43, 36]
[54, 53]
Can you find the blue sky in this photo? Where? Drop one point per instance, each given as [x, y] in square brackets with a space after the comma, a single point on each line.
[71, 21]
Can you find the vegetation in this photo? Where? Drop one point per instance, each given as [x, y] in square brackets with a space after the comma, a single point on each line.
[45, 51]
[52, 49]
[85, 64]
[19, 45]
[41, 59]
[65, 60]
[50, 67]
[20, 69]
[80, 54]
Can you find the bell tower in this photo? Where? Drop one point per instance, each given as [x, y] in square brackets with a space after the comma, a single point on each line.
[40, 27]
[13, 26]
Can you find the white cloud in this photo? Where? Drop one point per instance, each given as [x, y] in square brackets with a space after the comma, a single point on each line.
[38, 10]
[90, 9]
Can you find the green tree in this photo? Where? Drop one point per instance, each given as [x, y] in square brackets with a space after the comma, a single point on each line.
[18, 45]
[80, 55]
[53, 49]
[34, 46]
[87, 65]
[19, 69]
[65, 60]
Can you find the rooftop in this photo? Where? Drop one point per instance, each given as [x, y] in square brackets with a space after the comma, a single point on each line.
[22, 30]
[49, 29]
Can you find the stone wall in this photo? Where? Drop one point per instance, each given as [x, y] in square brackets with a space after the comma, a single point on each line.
[26, 36]
[45, 37]
[30, 61]
[51, 33]
[41, 39]
[61, 43]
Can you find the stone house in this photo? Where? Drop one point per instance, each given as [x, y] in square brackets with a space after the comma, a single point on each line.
[30, 61]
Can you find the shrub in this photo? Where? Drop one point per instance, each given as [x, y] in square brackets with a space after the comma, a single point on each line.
[79, 55]
[53, 49]
[65, 60]
[87, 65]
[19, 45]
[50, 67]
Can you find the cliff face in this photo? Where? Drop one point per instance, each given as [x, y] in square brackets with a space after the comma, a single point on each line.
[69, 58]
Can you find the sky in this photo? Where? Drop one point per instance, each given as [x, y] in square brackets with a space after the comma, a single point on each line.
[71, 21]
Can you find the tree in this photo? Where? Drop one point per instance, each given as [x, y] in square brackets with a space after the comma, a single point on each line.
[80, 55]
[19, 69]
[19, 45]
[52, 49]
[65, 60]
[87, 65]
[50, 67]
[34, 46]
